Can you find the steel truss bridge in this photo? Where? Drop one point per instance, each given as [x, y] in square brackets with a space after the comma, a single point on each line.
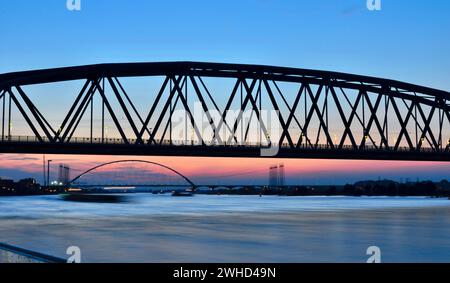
[322, 114]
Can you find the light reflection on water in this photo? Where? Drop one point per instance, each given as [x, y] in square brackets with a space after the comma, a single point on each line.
[161, 228]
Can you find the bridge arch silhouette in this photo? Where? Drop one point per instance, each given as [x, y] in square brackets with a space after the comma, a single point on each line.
[321, 114]
[134, 161]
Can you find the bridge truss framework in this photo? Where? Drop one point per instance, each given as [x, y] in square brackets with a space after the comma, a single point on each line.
[365, 107]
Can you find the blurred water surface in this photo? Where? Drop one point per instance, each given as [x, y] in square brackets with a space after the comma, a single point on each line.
[210, 228]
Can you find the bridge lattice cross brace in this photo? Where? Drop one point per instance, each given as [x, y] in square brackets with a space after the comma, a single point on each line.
[320, 114]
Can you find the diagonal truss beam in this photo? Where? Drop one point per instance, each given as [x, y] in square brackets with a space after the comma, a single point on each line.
[344, 120]
[403, 124]
[36, 114]
[280, 117]
[225, 111]
[111, 113]
[205, 108]
[315, 108]
[125, 110]
[164, 110]
[153, 108]
[374, 118]
[24, 114]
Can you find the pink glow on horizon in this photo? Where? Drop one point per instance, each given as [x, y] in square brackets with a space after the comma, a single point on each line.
[214, 168]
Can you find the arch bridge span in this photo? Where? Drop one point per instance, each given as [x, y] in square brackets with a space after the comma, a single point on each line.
[319, 114]
[93, 169]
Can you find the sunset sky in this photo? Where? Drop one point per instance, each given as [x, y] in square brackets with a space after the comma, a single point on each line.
[240, 171]
[406, 40]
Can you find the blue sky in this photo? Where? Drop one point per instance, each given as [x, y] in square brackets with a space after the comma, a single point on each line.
[406, 40]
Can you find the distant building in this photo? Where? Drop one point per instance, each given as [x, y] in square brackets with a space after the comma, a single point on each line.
[6, 186]
[28, 185]
[63, 175]
[276, 176]
[22, 187]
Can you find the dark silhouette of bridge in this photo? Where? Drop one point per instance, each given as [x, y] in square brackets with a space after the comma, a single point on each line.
[129, 179]
[148, 178]
[321, 114]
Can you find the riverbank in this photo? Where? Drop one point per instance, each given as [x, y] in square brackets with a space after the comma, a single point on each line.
[363, 188]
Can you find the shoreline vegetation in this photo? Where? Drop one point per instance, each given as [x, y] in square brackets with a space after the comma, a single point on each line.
[362, 188]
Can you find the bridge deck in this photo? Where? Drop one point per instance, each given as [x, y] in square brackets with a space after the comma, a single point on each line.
[79, 146]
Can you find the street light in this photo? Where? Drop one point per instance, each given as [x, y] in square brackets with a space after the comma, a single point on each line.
[48, 172]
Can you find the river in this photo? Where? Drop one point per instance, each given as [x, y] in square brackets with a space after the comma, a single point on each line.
[211, 228]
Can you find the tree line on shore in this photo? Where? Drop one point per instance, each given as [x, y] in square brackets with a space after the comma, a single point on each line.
[364, 188]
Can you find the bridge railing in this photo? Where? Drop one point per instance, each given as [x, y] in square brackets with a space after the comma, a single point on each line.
[84, 140]
[166, 142]
[12, 254]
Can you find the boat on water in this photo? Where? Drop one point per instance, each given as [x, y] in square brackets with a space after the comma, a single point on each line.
[182, 194]
[98, 198]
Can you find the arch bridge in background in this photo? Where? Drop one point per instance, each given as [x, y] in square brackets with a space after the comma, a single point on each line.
[133, 161]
